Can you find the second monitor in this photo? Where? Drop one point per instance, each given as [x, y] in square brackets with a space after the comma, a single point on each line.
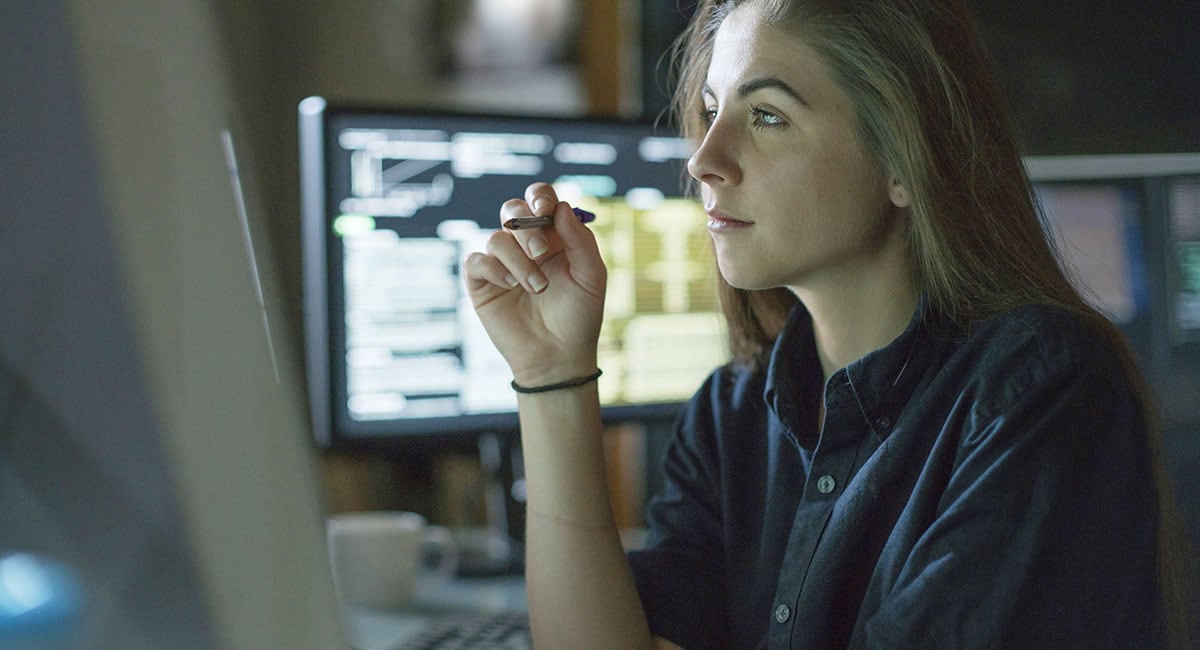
[394, 200]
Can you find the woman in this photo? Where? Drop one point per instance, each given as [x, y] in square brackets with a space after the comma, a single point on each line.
[925, 438]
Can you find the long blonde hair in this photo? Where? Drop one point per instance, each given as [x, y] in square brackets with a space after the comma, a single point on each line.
[931, 113]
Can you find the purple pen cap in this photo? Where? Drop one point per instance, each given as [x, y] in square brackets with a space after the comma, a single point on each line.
[584, 215]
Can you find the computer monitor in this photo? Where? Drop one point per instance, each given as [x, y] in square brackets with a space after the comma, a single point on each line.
[393, 201]
[1096, 227]
[1128, 230]
[153, 444]
[1182, 196]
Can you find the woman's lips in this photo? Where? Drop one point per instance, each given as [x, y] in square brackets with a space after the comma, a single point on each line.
[719, 221]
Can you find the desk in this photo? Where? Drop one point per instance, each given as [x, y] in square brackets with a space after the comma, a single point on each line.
[374, 629]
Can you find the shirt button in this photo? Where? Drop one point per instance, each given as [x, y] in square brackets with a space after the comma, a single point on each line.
[825, 484]
[883, 423]
[782, 614]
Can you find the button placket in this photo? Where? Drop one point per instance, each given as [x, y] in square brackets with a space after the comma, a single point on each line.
[829, 471]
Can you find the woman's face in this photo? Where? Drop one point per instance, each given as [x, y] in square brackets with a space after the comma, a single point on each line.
[793, 197]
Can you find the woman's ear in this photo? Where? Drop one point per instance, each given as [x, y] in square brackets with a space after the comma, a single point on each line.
[898, 194]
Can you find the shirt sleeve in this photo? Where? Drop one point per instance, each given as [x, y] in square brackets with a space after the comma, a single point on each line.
[680, 573]
[1045, 533]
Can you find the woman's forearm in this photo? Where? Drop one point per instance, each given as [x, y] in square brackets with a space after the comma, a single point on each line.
[581, 592]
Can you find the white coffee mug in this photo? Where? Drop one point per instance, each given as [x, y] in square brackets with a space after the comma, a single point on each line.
[379, 558]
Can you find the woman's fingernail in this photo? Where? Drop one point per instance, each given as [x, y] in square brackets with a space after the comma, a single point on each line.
[541, 204]
[512, 280]
[537, 246]
[537, 282]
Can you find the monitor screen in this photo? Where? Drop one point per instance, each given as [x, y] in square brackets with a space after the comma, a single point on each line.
[1128, 229]
[1096, 227]
[394, 200]
[1183, 210]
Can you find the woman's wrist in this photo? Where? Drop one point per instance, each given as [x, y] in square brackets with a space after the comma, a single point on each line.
[574, 382]
[556, 373]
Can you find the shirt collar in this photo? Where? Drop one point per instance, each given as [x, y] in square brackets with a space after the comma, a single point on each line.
[884, 380]
[881, 382]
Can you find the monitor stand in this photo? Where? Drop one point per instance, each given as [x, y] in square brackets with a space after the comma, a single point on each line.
[500, 550]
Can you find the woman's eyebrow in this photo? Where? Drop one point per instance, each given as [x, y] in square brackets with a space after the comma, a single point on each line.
[759, 83]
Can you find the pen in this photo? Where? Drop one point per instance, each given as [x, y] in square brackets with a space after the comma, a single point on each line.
[522, 223]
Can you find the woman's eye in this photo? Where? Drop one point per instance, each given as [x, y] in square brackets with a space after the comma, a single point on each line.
[764, 118]
[708, 116]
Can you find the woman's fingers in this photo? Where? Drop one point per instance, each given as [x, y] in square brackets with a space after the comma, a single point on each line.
[481, 270]
[537, 242]
[541, 201]
[575, 237]
[542, 198]
[504, 247]
[516, 256]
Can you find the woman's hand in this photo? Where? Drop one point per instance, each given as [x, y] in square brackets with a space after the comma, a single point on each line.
[540, 292]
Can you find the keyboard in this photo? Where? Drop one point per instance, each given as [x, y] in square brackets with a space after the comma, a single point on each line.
[497, 631]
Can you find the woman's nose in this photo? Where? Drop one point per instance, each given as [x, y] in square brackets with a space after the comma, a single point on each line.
[714, 162]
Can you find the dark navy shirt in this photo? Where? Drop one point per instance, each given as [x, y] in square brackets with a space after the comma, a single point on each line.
[969, 488]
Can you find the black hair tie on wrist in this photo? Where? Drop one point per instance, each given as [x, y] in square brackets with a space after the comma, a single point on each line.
[570, 383]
